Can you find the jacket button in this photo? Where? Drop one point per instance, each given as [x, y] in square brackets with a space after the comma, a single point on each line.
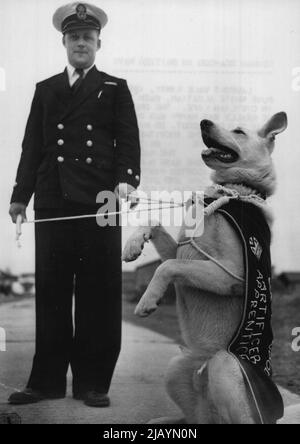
[89, 127]
[60, 126]
[60, 142]
[89, 160]
[130, 172]
[60, 159]
[137, 178]
[89, 143]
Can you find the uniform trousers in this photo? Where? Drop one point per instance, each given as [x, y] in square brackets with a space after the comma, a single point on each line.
[78, 303]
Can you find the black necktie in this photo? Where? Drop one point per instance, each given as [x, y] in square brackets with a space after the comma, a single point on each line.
[79, 81]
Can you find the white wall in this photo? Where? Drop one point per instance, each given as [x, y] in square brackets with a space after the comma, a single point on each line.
[228, 60]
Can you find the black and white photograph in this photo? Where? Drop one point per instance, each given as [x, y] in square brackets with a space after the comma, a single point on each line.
[150, 214]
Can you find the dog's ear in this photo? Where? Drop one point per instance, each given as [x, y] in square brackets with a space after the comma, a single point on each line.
[277, 124]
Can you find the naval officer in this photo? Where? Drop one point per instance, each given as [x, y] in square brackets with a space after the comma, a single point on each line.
[81, 138]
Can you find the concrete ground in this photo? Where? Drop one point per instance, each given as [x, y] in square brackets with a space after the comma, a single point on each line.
[137, 392]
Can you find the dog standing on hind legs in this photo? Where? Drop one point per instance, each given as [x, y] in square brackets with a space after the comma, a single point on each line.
[222, 281]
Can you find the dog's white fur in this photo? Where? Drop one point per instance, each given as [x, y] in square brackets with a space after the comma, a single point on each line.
[206, 381]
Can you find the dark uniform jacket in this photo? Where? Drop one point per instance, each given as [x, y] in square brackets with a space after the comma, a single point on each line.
[77, 145]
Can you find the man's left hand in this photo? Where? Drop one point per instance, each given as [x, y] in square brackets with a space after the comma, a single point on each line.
[127, 192]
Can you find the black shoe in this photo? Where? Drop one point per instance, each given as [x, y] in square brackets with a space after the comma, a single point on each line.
[93, 398]
[30, 396]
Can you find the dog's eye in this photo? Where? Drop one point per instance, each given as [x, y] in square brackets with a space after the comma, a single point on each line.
[238, 131]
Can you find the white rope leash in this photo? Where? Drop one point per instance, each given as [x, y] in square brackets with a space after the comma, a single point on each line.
[20, 220]
[87, 216]
[171, 205]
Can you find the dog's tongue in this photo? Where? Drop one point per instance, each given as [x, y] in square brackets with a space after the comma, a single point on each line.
[218, 154]
[210, 151]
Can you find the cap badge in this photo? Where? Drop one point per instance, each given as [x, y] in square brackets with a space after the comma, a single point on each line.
[81, 12]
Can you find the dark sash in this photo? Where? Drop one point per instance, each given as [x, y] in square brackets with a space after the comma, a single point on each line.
[252, 342]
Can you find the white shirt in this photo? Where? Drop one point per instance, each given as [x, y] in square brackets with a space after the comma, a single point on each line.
[73, 75]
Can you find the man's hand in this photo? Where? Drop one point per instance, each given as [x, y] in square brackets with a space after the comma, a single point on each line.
[17, 209]
[128, 193]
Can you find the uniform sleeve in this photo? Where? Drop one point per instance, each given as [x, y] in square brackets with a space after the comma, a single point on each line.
[128, 151]
[31, 154]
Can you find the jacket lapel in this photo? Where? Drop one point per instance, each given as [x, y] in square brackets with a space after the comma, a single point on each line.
[61, 88]
[92, 81]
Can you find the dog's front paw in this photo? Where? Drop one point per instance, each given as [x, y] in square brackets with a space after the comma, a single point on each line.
[146, 306]
[133, 248]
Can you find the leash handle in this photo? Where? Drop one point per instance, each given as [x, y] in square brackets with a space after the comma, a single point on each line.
[19, 222]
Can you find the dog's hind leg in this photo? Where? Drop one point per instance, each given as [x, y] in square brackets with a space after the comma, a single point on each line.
[227, 391]
[180, 385]
[188, 389]
[163, 242]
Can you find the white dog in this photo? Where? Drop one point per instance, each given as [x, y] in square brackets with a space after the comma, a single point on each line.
[212, 381]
